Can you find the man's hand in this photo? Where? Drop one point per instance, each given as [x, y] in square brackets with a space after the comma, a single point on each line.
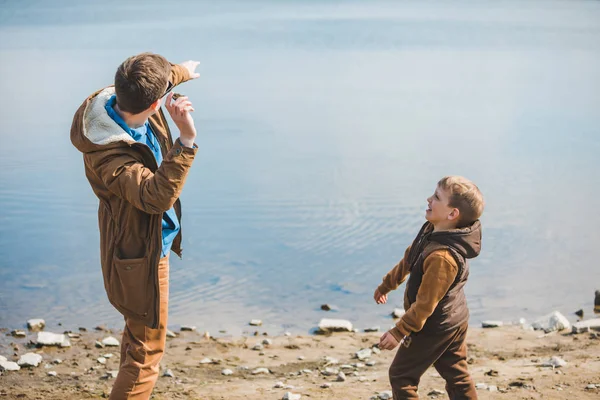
[180, 110]
[387, 341]
[380, 298]
[191, 67]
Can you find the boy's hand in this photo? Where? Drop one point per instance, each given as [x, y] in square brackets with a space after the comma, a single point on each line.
[191, 67]
[180, 110]
[380, 298]
[387, 341]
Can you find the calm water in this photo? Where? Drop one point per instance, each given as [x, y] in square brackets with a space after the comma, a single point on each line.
[323, 126]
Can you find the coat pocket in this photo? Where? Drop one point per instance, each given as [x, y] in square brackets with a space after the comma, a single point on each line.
[129, 284]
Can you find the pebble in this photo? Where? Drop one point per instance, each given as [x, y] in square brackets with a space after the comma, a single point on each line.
[66, 343]
[101, 360]
[375, 350]
[57, 361]
[387, 395]
[257, 347]
[436, 392]
[330, 371]
[99, 344]
[491, 324]
[267, 342]
[287, 334]
[330, 360]
[329, 307]
[301, 358]
[110, 341]
[258, 371]
[326, 385]
[187, 328]
[363, 354]
[291, 396]
[227, 372]
[334, 325]
[18, 333]
[371, 364]
[592, 386]
[341, 377]
[481, 386]
[51, 373]
[107, 355]
[206, 360]
[579, 313]
[36, 324]
[29, 360]
[255, 322]
[555, 362]
[278, 385]
[372, 329]
[168, 373]
[111, 374]
[492, 388]
[358, 365]
[171, 334]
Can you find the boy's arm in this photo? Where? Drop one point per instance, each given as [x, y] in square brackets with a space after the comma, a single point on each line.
[439, 272]
[396, 276]
[183, 72]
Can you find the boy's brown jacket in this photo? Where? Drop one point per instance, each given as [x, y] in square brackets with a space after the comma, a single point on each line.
[434, 299]
[133, 192]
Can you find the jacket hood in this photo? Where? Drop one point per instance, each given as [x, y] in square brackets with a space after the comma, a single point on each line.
[93, 129]
[466, 241]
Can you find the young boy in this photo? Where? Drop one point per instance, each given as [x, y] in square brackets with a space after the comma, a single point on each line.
[434, 328]
[137, 173]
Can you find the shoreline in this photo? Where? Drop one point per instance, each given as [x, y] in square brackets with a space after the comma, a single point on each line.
[506, 363]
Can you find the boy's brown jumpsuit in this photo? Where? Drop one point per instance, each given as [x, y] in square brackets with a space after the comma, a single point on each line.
[436, 319]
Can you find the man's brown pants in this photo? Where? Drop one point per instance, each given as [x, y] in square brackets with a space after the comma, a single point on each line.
[142, 349]
[447, 352]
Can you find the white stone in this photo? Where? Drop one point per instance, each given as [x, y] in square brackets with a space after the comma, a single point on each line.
[584, 326]
[491, 324]
[189, 328]
[51, 373]
[36, 324]
[492, 388]
[107, 355]
[3, 359]
[375, 350]
[256, 322]
[267, 342]
[306, 371]
[555, 362]
[110, 341]
[169, 374]
[330, 360]
[278, 385]
[171, 334]
[481, 386]
[552, 322]
[341, 377]
[335, 325]
[435, 392]
[259, 371]
[57, 361]
[326, 385]
[258, 347]
[363, 354]
[398, 313]
[291, 396]
[9, 366]
[358, 365]
[371, 364]
[591, 386]
[387, 395]
[101, 360]
[50, 339]
[346, 366]
[206, 360]
[330, 371]
[227, 372]
[66, 343]
[287, 334]
[18, 333]
[301, 358]
[98, 344]
[111, 374]
[30, 360]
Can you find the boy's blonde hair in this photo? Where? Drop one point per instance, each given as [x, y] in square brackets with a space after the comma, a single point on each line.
[465, 196]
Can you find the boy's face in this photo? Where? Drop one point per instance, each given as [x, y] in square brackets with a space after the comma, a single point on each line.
[438, 210]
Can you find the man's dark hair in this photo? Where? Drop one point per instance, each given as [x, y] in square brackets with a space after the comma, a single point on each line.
[140, 81]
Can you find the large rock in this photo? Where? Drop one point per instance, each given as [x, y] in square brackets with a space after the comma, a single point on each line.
[587, 325]
[36, 324]
[552, 322]
[335, 325]
[29, 360]
[50, 339]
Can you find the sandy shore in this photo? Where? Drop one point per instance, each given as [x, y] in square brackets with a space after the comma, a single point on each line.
[508, 358]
